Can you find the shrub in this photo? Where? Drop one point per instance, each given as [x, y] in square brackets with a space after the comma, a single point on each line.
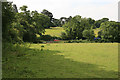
[64, 36]
[89, 34]
[46, 37]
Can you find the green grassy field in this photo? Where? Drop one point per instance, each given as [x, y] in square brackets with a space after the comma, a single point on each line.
[54, 31]
[64, 60]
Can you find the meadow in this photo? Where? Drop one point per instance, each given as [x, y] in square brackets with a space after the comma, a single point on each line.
[62, 60]
[33, 49]
[54, 31]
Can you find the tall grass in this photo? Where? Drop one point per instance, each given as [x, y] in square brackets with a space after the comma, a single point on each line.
[17, 49]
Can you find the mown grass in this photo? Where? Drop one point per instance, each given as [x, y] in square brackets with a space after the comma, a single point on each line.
[62, 60]
[54, 31]
[96, 53]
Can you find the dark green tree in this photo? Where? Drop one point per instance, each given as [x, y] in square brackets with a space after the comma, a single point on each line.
[7, 18]
[98, 22]
[46, 12]
[56, 22]
[89, 34]
[31, 23]
[109, 31]
[73, 28]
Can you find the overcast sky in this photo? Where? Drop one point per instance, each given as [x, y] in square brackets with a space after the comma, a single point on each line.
[95, 9]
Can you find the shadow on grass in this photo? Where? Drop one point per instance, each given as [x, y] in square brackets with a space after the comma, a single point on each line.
[50, 64]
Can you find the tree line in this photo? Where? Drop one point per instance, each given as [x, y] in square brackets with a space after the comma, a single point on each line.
[83, 28]
[25, 25]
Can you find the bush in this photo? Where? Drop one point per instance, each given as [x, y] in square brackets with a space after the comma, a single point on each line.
[46, 37]
[38, 40]
[64, 36]
[54, 37]
[69, 41]
[29, 37]
[19, 50]
[89, 34]
[79, 41]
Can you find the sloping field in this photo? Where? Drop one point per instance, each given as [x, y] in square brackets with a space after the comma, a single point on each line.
[104, 54]
[54, 31]
[64, 60]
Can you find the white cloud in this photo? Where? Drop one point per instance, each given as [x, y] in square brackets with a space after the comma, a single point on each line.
[95, 9]
[98, 12]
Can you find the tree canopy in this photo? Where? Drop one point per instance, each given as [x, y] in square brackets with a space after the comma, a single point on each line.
[25, 25]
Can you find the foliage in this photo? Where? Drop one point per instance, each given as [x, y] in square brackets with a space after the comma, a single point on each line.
[56, 22]
[23, 26]
[40, 21]
[72, 27]
[75, 27]
[89, 34]
[46, 12]
[109, 31]
[7, 18]
[64, 20]
[98, 22]
[34, 23]
[46, 37]
[64, 36]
